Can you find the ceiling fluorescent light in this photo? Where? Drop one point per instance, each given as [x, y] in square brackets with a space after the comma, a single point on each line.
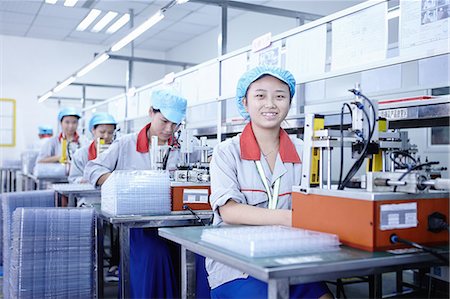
[50, 2]
[118, 24]
[138, 31]
[70, 3]
[93, 14]
[45, 96]
[64, 84]
[104, 21]
[98, 60]
[182, 1]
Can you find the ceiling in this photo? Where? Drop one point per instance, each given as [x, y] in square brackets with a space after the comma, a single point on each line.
[37, 19]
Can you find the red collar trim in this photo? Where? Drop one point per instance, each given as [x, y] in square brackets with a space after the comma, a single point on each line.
[92, 151]
[250, 148]
[75, 137]
[142, 140]
[142, 145]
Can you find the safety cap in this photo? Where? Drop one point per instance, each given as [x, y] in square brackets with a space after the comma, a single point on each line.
[254, 74]
[68, 111]
[171, 105]
[101, 118]
[45, 130]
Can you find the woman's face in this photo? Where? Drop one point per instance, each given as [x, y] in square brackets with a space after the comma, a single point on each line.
[105, 132]
[161, 126]
[69, 125]
[267, 102]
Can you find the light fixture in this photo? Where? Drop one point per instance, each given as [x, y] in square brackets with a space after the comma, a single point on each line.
[93, 14]
[50, 1]
[64, 84]
[118, 24]
[182, 1]
[138, 31]
[45, 96]
[70, 3]
[110, 15]
[97, 61]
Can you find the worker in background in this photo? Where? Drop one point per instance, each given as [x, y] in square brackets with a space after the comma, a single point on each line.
[252, 175]
[60, 148]
[152, 272]
[102, 126]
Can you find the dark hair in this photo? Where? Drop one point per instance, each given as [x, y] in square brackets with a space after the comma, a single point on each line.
[156, 110]
[95, 126]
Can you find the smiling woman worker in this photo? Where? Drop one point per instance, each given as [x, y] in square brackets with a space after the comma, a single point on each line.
[252, 175]
[60, 148]
[102, 125]
[152, 274]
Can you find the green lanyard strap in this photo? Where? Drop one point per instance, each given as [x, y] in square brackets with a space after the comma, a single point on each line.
[273, 199]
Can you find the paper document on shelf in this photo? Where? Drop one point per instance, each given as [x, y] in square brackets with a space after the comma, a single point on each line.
[424, 27]
[359, 38]
[232, 69]
[209, 91]
[306, 52]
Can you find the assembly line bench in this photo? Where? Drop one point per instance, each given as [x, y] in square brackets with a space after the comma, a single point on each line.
[125, 223]
[281, 271]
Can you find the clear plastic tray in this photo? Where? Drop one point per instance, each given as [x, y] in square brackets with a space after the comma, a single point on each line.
[264, 241]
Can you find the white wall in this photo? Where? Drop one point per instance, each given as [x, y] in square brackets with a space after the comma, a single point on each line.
[247, 26]
[31, 67]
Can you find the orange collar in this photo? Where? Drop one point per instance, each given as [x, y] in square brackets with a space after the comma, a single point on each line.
[142, 144]
[75, 137]
[92, 151]
[250, 148]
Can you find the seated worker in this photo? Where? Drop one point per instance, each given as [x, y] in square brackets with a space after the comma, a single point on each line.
[60, 148]
[102, 126]
[252, 175]
[152, 272]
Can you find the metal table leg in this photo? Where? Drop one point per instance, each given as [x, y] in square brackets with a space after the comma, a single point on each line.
[124, 235]
[188, 278]
[99, 257]
[278, 289]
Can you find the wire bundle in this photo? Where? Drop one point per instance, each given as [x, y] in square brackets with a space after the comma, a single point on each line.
[355, 167]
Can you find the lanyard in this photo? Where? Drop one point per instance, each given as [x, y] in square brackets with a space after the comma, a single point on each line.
[273, 199]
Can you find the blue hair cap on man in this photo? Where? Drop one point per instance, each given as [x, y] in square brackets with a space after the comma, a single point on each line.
[254, 74]
[171, 105]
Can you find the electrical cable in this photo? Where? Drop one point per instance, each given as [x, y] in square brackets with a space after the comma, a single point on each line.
[415, 168]
[401, 165]
[342, 139]
[355, 167]
[395, 239]
[186, 207]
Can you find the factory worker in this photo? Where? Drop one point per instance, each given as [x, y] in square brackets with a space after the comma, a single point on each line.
[252, 175]
[102, 126]
[152, 273]
[61, 148]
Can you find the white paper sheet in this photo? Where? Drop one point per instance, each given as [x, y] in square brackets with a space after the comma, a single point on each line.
[360, 38]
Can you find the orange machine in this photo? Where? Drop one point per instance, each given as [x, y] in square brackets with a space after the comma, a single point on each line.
[194, 195]
[366, 220]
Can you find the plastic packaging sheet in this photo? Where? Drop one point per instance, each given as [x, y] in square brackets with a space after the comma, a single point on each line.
[263, 241]
[136, 192]
[50, 170]
[73, 187]
[28, 159]
[52, 253]
[11, 201]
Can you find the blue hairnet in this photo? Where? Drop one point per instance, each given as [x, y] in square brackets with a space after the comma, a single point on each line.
[171, 105]
[254, 74]
[68, 111]
[101, 118]
[45, 130]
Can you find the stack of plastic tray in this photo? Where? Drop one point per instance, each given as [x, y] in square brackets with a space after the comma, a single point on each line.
[10, 202]
[28, 159]
[73, 187]
[50, 170]
[11, 164]
[264, 241]
[136, 192]
[52, 253]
